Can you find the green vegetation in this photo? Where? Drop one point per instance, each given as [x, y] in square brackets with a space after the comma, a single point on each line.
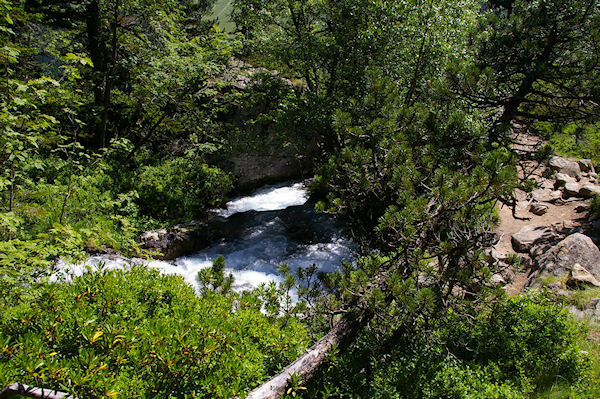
[114, 117]
[140, 334]
[516, 347]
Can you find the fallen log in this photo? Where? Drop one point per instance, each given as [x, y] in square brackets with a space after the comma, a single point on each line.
[32, 392]
[306, 366]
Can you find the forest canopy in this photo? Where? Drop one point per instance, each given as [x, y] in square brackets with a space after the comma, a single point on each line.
[118, 116]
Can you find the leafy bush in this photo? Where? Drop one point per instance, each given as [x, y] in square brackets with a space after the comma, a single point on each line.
[140, 334]
[516, 348]
[575, 141]
[180, 189]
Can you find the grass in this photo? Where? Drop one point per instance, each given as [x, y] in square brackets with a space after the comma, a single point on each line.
[221, 14]
[589, 387]
[582, 297]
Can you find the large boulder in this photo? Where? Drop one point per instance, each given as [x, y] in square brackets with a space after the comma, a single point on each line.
[176, 241]
[253, 170]
[569, 256]
[529, 236]
[562, 165]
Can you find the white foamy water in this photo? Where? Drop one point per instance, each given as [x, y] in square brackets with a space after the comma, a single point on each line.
[283, 231]
[268, 198]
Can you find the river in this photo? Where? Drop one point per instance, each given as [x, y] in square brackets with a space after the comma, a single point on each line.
[272, 225]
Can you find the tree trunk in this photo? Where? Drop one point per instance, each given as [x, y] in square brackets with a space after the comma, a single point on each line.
[17, 389]
[307, 365]
[98, 54]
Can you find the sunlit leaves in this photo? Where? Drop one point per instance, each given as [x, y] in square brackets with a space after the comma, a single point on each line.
[109, 331]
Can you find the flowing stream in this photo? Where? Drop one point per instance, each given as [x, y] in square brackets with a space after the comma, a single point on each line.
[270, 226]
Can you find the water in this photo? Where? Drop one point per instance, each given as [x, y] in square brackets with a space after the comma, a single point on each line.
[268, 198]
[272, 225]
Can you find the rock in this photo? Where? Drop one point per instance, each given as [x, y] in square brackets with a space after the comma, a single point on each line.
[593, 175]
[529, 236]
[579, 314]
[562, 179]
[581, 276]
[586, 165]
[543, 195]
[555, 285]
[593, 303]
[538, 209]
[582, 208]
[571, 190]
[576, 249]
[565, 166]
[497, 279]
[254, 169]
[563, 293]
[176, 241]
[589, 190]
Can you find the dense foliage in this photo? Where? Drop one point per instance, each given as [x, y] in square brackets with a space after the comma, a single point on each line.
[115, 113]
[512, 348]
[141, 334]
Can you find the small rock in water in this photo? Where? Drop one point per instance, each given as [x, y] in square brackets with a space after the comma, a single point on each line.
[538, 209]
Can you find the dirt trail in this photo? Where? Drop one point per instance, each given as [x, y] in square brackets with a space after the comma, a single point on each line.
[564, 215]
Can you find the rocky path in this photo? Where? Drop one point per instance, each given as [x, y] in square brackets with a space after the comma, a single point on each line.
[552, 231]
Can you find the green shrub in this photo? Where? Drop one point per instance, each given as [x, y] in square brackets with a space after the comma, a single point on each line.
[575, 141]
[180, 190]
[517, 347]
[140, 334]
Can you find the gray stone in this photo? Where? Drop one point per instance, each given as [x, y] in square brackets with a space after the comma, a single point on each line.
[593, 303]
[571, 190]
[580, 314]
[538, 209]
[576, 249]
[497, 279]
[586, 165]
[176, 241]
[565, 166]
[580, 275]
[589, 190]
[529, 236]
[543, 195]
[562, 179]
